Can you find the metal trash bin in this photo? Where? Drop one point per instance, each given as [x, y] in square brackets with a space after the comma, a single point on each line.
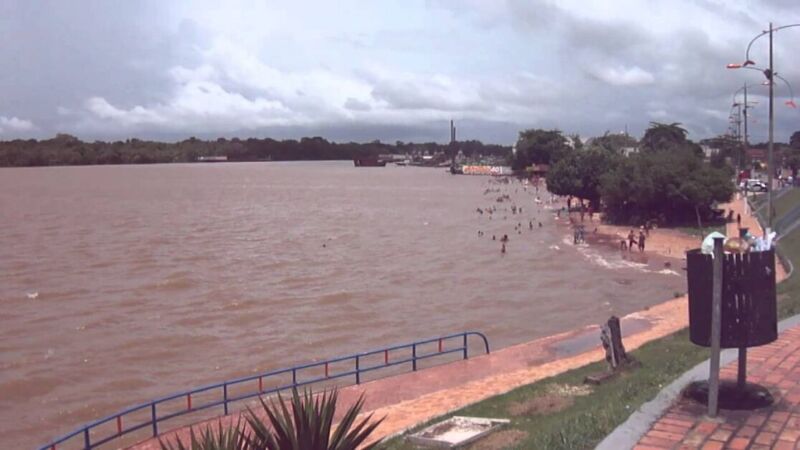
[749, 300]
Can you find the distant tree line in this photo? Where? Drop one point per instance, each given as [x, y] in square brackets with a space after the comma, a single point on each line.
[68, 150]
[663, 177]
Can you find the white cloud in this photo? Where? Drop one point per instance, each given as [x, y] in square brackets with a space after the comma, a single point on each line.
[201, 69]
[715, 113]
[15, 124]
[195, 104]
[233, 89]
[624, 76]
[658, 114]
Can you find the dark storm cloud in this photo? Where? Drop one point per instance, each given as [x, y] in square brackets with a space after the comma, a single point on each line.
[59, 53]
[113, 69]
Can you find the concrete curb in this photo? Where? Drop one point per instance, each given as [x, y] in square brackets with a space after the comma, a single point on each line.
[628, 434]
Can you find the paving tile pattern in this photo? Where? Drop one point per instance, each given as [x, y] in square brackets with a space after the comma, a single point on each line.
[775, 366]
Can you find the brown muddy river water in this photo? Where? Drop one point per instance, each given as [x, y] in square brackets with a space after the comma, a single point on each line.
[121, 284]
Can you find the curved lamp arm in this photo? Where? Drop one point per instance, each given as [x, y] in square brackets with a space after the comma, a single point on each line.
[747, 60]
[791, 103]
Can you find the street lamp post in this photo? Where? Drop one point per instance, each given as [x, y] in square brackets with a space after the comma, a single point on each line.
[745, 119]
[743, 107]
[770, 74]
[770, 166]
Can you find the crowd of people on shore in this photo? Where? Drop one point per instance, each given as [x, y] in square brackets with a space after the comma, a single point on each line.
[505, 194]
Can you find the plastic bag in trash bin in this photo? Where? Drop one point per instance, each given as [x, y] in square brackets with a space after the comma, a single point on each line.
[707, 247]
[764, 243]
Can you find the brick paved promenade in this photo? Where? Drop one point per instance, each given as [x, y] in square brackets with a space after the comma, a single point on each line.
[775, 366]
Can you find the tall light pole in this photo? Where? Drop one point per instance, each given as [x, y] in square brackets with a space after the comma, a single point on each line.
[770, 166]
[743, 106]
[770, 74]
[745, 119]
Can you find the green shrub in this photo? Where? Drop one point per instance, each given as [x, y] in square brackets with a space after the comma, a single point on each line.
[308, 425]
[304, 424]
[224, 438]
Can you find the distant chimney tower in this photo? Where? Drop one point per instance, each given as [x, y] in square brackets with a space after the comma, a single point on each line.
[452, 132]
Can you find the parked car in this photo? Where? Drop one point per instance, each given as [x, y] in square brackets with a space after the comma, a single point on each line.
[753, 185]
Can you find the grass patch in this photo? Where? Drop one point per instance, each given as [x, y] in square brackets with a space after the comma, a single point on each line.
[580, 420]
[789, 290]
[782, 204]
[587, 419]
[786, 203]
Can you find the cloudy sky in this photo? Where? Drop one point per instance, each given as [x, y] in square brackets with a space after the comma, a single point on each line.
[389, 70]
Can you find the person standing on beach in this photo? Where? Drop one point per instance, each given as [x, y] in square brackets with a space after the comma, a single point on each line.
[631, 239]
[641, 240]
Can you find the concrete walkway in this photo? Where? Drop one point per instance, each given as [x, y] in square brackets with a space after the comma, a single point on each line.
[775, 366]
[412, 398]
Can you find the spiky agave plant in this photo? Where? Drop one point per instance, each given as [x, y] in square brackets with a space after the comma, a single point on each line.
[306, 424]
[229, 437]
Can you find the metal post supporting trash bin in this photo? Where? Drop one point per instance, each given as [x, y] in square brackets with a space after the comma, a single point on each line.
[716, 333]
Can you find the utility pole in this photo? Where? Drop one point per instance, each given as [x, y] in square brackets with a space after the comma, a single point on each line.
[745, 117]
[770, 166]
[738, 121]
[743, 156]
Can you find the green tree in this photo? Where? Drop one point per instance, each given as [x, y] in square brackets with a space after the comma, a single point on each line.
[538, 146]
[672, 187]
[794, 140]
[579, 174]
[729, 152]
[615, 142]
[662, 136]
[791, 159]
[577, 143]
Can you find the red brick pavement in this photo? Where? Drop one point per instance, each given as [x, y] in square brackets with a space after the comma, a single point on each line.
[775, 366]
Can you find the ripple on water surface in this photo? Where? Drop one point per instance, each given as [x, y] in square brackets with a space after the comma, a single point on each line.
[204, 273]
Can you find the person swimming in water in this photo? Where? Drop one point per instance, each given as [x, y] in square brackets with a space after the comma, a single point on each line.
[631, 239]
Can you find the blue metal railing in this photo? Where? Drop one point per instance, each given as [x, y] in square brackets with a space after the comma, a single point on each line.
[85, 433]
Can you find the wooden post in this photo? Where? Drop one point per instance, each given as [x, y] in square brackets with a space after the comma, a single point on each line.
[716, 327]
[611, 337]
[616, 340]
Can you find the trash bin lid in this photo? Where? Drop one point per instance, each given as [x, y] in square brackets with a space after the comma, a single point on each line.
[707, 247]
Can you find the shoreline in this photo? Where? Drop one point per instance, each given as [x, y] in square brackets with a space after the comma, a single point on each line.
[410, 399]
[661, 242]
